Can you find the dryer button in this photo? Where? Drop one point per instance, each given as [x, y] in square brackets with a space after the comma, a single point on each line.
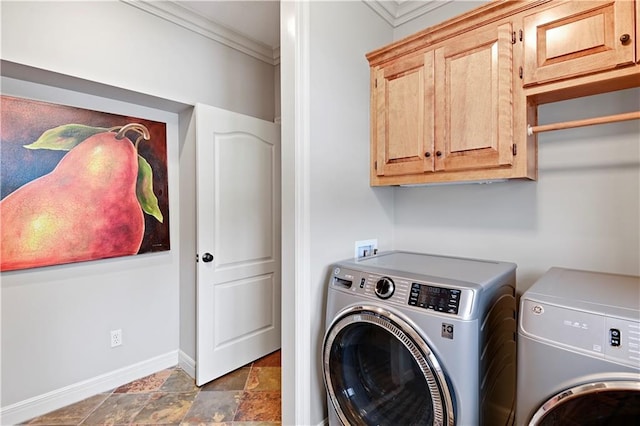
[614, 337]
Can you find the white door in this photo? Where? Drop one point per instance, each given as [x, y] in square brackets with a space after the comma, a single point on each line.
[238, 240]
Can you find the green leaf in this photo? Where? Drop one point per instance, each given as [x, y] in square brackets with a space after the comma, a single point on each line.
[65, 137]
[144, 190]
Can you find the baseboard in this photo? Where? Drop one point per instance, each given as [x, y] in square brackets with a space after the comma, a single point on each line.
[50, 401]
[187, 363]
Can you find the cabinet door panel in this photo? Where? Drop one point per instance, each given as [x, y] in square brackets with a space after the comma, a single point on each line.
[404, 108]
[474, 93]
[578, 38]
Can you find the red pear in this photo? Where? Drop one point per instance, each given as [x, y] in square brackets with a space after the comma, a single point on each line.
[86, 208]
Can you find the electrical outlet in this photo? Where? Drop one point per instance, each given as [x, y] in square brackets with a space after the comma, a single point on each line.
[366, 248]
[116, 338]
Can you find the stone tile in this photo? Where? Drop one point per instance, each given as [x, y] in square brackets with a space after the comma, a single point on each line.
[271, 360]
[256, 423]
[179, 381]
[236, 380]
[149, 383]
[118, 408]
[264, 378]
[262, 406]
[165, 408]
[208, 424]
[72, 414]
[170, 397]
[214, 406]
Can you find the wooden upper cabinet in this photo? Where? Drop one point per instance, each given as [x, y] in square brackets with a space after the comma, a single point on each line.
[637, 31]
[474, 98]
[577, 38]
[403, 99]
[448, 109]
[453, 102]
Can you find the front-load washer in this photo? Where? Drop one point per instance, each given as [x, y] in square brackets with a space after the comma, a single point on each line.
[418, 339]
[579, 350]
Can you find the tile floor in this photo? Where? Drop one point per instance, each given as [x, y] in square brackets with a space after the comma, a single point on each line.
[249, 396]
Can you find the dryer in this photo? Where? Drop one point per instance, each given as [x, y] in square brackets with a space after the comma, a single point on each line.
[579, 350]
[419, 339]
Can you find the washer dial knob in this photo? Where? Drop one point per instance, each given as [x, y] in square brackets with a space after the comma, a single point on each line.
[385, 288]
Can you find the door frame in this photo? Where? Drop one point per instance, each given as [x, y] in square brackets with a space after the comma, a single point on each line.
[297, 310]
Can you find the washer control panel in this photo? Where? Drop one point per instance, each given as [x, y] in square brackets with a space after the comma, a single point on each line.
[400, 291]
[437, 298]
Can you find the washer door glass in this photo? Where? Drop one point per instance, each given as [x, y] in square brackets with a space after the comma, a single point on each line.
[379, 371]
[594, 404]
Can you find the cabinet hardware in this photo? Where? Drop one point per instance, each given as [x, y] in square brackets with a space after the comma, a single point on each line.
[375, 165]
[438, 154]
[514, 149]
[520, 35]
[427, 154]
[513, 37]
[625, 38]
[520, 72]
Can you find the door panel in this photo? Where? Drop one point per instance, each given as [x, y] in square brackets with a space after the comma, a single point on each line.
[576, 38]
[254, 317]
[238, 223]
[474, 86]
[243, 201]
[405, 108]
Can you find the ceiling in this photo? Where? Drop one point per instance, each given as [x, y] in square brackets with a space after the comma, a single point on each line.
[253, 26]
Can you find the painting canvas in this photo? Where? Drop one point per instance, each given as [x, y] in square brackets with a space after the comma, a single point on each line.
[79, 185]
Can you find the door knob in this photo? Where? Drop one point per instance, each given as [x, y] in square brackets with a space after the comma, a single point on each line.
[624, 38]
[207, 257]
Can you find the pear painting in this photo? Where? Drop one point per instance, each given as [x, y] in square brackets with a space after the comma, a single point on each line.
[79, 191]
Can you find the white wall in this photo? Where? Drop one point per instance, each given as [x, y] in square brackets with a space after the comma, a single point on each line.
[56, 320]
[343, 207]
[447, 10]
[117, 44]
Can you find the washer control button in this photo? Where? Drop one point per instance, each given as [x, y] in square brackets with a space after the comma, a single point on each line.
[385, 288]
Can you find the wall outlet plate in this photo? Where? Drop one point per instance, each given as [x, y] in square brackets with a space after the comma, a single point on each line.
[116, 338]
[366, 248]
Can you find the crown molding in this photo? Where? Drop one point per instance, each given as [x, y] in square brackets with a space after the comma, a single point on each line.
[173, 12]
[398, 12]
[394, 12]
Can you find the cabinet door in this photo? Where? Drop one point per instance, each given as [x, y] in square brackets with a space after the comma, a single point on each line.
[474, 116]
[404, 116]
[576, 38]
